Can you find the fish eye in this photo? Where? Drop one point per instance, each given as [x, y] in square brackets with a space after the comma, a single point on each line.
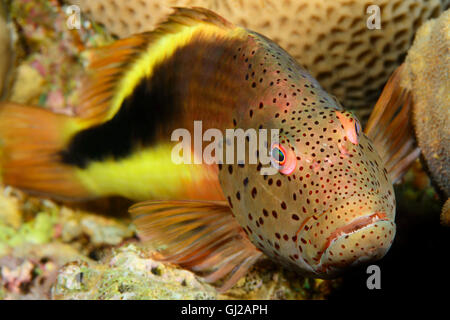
[351, 126]
[284, 160]
[279, 155]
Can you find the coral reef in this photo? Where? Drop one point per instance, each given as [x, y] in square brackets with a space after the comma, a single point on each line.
[426, 74]
[37, 237]
[130, 272]
[330, 38]
[52, 57]
[77, 253]
[50, 250]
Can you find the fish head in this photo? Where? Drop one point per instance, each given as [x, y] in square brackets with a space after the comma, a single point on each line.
[330, 204]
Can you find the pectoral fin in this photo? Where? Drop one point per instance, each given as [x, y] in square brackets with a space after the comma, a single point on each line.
[202, 236]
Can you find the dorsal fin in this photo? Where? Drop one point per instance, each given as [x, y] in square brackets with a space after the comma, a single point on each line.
[202, 236]
[390, 127]
[115, 69]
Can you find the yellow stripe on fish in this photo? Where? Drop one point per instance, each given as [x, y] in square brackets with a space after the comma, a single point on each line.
[149, 174]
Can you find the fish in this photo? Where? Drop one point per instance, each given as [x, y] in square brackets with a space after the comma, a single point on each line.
[329, 206]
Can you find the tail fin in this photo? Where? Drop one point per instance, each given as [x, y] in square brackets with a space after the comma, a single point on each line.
[30, 141]
[390, 128]
[202, 236]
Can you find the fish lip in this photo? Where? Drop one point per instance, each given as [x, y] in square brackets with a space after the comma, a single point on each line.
[354, 226]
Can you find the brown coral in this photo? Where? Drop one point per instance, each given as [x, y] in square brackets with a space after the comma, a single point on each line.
[445, 215]
[427, 70]
[330, 38]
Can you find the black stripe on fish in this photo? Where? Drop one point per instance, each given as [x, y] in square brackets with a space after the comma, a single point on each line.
[151, 105]
[155, 104]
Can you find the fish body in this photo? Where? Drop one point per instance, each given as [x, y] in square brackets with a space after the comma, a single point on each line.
[330, 204]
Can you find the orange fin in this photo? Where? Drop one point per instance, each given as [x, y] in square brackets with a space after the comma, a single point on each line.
[30, 141]
[108, 64]
[194, 15]
[202, 236]
[390, 128]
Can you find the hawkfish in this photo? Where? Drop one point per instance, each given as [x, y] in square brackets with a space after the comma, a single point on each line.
[328, 206]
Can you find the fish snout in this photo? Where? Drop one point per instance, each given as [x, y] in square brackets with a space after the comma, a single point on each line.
[366, 238]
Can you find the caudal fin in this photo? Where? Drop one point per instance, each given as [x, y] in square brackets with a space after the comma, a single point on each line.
[30, 141]
[390, 127]
[202, 236]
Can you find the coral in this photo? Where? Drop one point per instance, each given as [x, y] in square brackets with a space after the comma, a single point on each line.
[28, 85]
[330, 38]
[37, 237]
[129, 273]
[51, 63]
[269, 281]
[10, 213]
[87, 256]
[426, 74]
[81, 255]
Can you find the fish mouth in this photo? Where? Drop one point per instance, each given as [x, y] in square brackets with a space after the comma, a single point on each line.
[355, 225]
[329, 263]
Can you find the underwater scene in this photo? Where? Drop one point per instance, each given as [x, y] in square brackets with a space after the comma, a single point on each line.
[224, 149]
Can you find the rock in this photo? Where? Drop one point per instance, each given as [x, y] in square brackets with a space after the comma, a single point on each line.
[44, 236]
[100, 230]
[28, 85]
[10, 213]
[129, 273]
